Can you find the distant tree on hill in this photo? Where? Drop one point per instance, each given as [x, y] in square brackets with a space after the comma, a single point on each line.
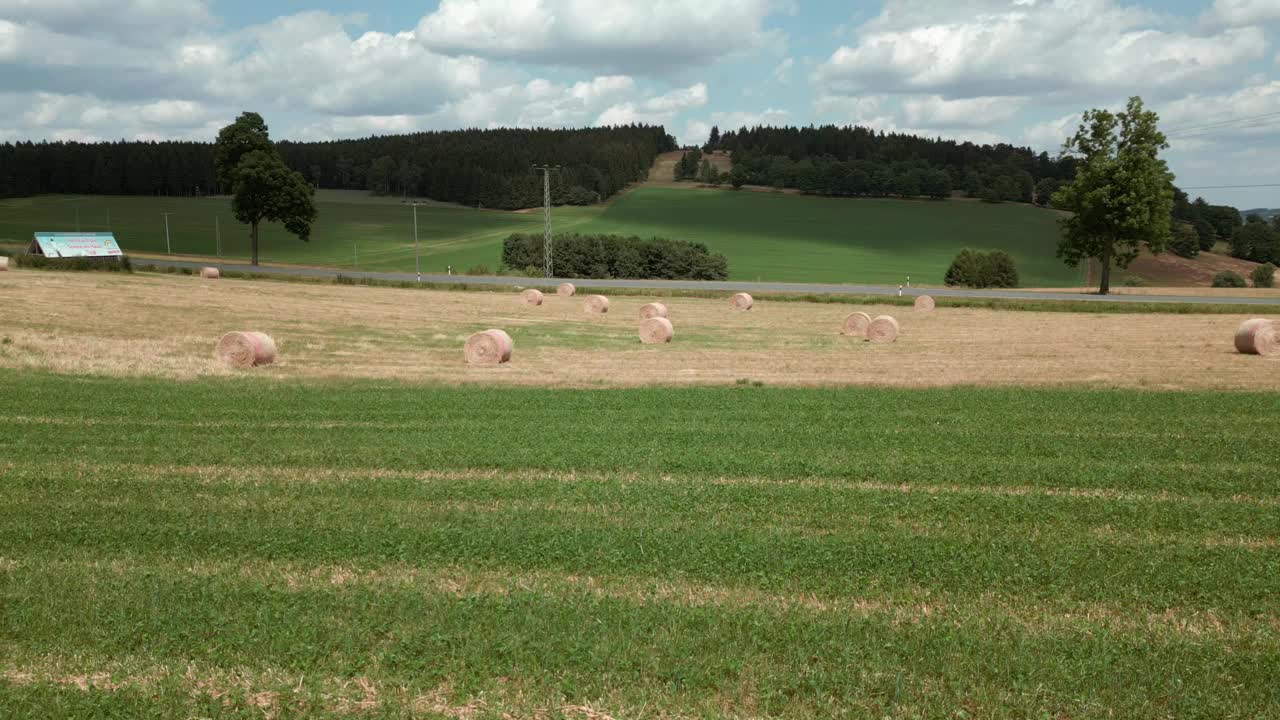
[1045, 190]
[263, 188]
[707, 173]
[1122, 197]
[381, 175]
[1256, 241]
[1204, 231]
[1185, 241]
[713, 142]
[738, 178]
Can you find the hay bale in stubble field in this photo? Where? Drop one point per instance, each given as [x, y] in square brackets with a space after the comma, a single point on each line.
[596, 305]
[883, 329]
[565, 290]
[4, 263]
[856, 324]
[656, 330]
[741, 301]
[652, 310]
[211, 273]
[924, 303]
[246, 349]
[488, 347]
[531, 297]
[1257, 337]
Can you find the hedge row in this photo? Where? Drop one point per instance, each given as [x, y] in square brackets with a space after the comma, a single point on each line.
[615, 256]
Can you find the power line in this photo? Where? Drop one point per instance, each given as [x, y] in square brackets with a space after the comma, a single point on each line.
[1192, 128]
[1220, 130]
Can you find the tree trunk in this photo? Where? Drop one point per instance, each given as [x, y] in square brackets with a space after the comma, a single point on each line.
[1105, 286]
[253, 244]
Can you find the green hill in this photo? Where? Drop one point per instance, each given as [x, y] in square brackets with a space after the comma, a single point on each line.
[766, 236]
[772, 236]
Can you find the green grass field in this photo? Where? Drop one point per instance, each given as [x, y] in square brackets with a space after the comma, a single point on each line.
[260, 549]
[765, 236]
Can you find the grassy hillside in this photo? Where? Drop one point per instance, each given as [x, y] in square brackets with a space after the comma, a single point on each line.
[769, 236]
[729, 552]
[765, 236]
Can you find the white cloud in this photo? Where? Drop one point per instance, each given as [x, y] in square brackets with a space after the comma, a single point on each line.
[982, 48]
[935, 111]
[614, 34]
[782, 73]
[311, 61]
[1241, 13]
[135, 21]
[54, 116]
[1051, 135]
[657, 110]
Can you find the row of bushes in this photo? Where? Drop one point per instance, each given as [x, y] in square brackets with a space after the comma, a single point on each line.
[978, 269]
[40, 262]
[615, 256]
[1263, 276]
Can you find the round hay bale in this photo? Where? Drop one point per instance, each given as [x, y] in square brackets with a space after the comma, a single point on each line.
[210, 272]
[924, 303]
[596, 305]
[488, 347]
[653, 310]
[741, 301]
[883, 329]
[856, 324]
[246, 349]
[531, 297]
[565, 290]
[4, 263]
[656, 330]
[1257, 337]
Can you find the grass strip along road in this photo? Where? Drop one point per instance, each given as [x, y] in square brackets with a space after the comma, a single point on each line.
[248, 548]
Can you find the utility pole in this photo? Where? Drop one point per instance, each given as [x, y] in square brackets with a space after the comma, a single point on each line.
[547, 264]
[168, 248]
[417, 260]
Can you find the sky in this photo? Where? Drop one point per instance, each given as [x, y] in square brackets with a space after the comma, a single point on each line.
[1016, 71]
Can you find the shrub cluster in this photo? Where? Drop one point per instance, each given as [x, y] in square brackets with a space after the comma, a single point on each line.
[1229, 279]
[978, 269]
[80, 264]
[615, 256]
[1264, 276]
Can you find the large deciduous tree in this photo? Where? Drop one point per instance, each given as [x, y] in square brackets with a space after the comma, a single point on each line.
[1122, 196]
[263, 187]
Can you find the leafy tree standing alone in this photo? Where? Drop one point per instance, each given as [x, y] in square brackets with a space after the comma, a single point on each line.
[262, 186]
[1122, 197]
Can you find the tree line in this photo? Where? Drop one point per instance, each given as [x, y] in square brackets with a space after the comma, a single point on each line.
[858, 161]
[486, 168]
[616, 256]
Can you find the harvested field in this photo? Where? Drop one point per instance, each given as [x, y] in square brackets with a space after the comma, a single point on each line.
[155, 325]
[371, 549]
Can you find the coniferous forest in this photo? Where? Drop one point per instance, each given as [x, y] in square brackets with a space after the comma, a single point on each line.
[487, 168]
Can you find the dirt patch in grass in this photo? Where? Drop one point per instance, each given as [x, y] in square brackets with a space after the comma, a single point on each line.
[167, 326]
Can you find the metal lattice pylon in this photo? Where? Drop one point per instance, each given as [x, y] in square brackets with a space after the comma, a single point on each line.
[548, 264]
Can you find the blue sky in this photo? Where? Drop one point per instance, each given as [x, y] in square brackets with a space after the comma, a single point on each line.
[1016, 71]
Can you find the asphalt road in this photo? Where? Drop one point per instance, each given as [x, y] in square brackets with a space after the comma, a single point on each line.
[730, 286]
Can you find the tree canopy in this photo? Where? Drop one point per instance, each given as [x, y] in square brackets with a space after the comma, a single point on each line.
[263, 187]
[1121, 199]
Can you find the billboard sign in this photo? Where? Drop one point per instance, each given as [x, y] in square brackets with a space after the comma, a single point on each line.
[69, 245]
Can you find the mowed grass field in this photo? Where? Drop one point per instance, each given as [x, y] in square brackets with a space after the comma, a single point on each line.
[255, 548]
[772, 237]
